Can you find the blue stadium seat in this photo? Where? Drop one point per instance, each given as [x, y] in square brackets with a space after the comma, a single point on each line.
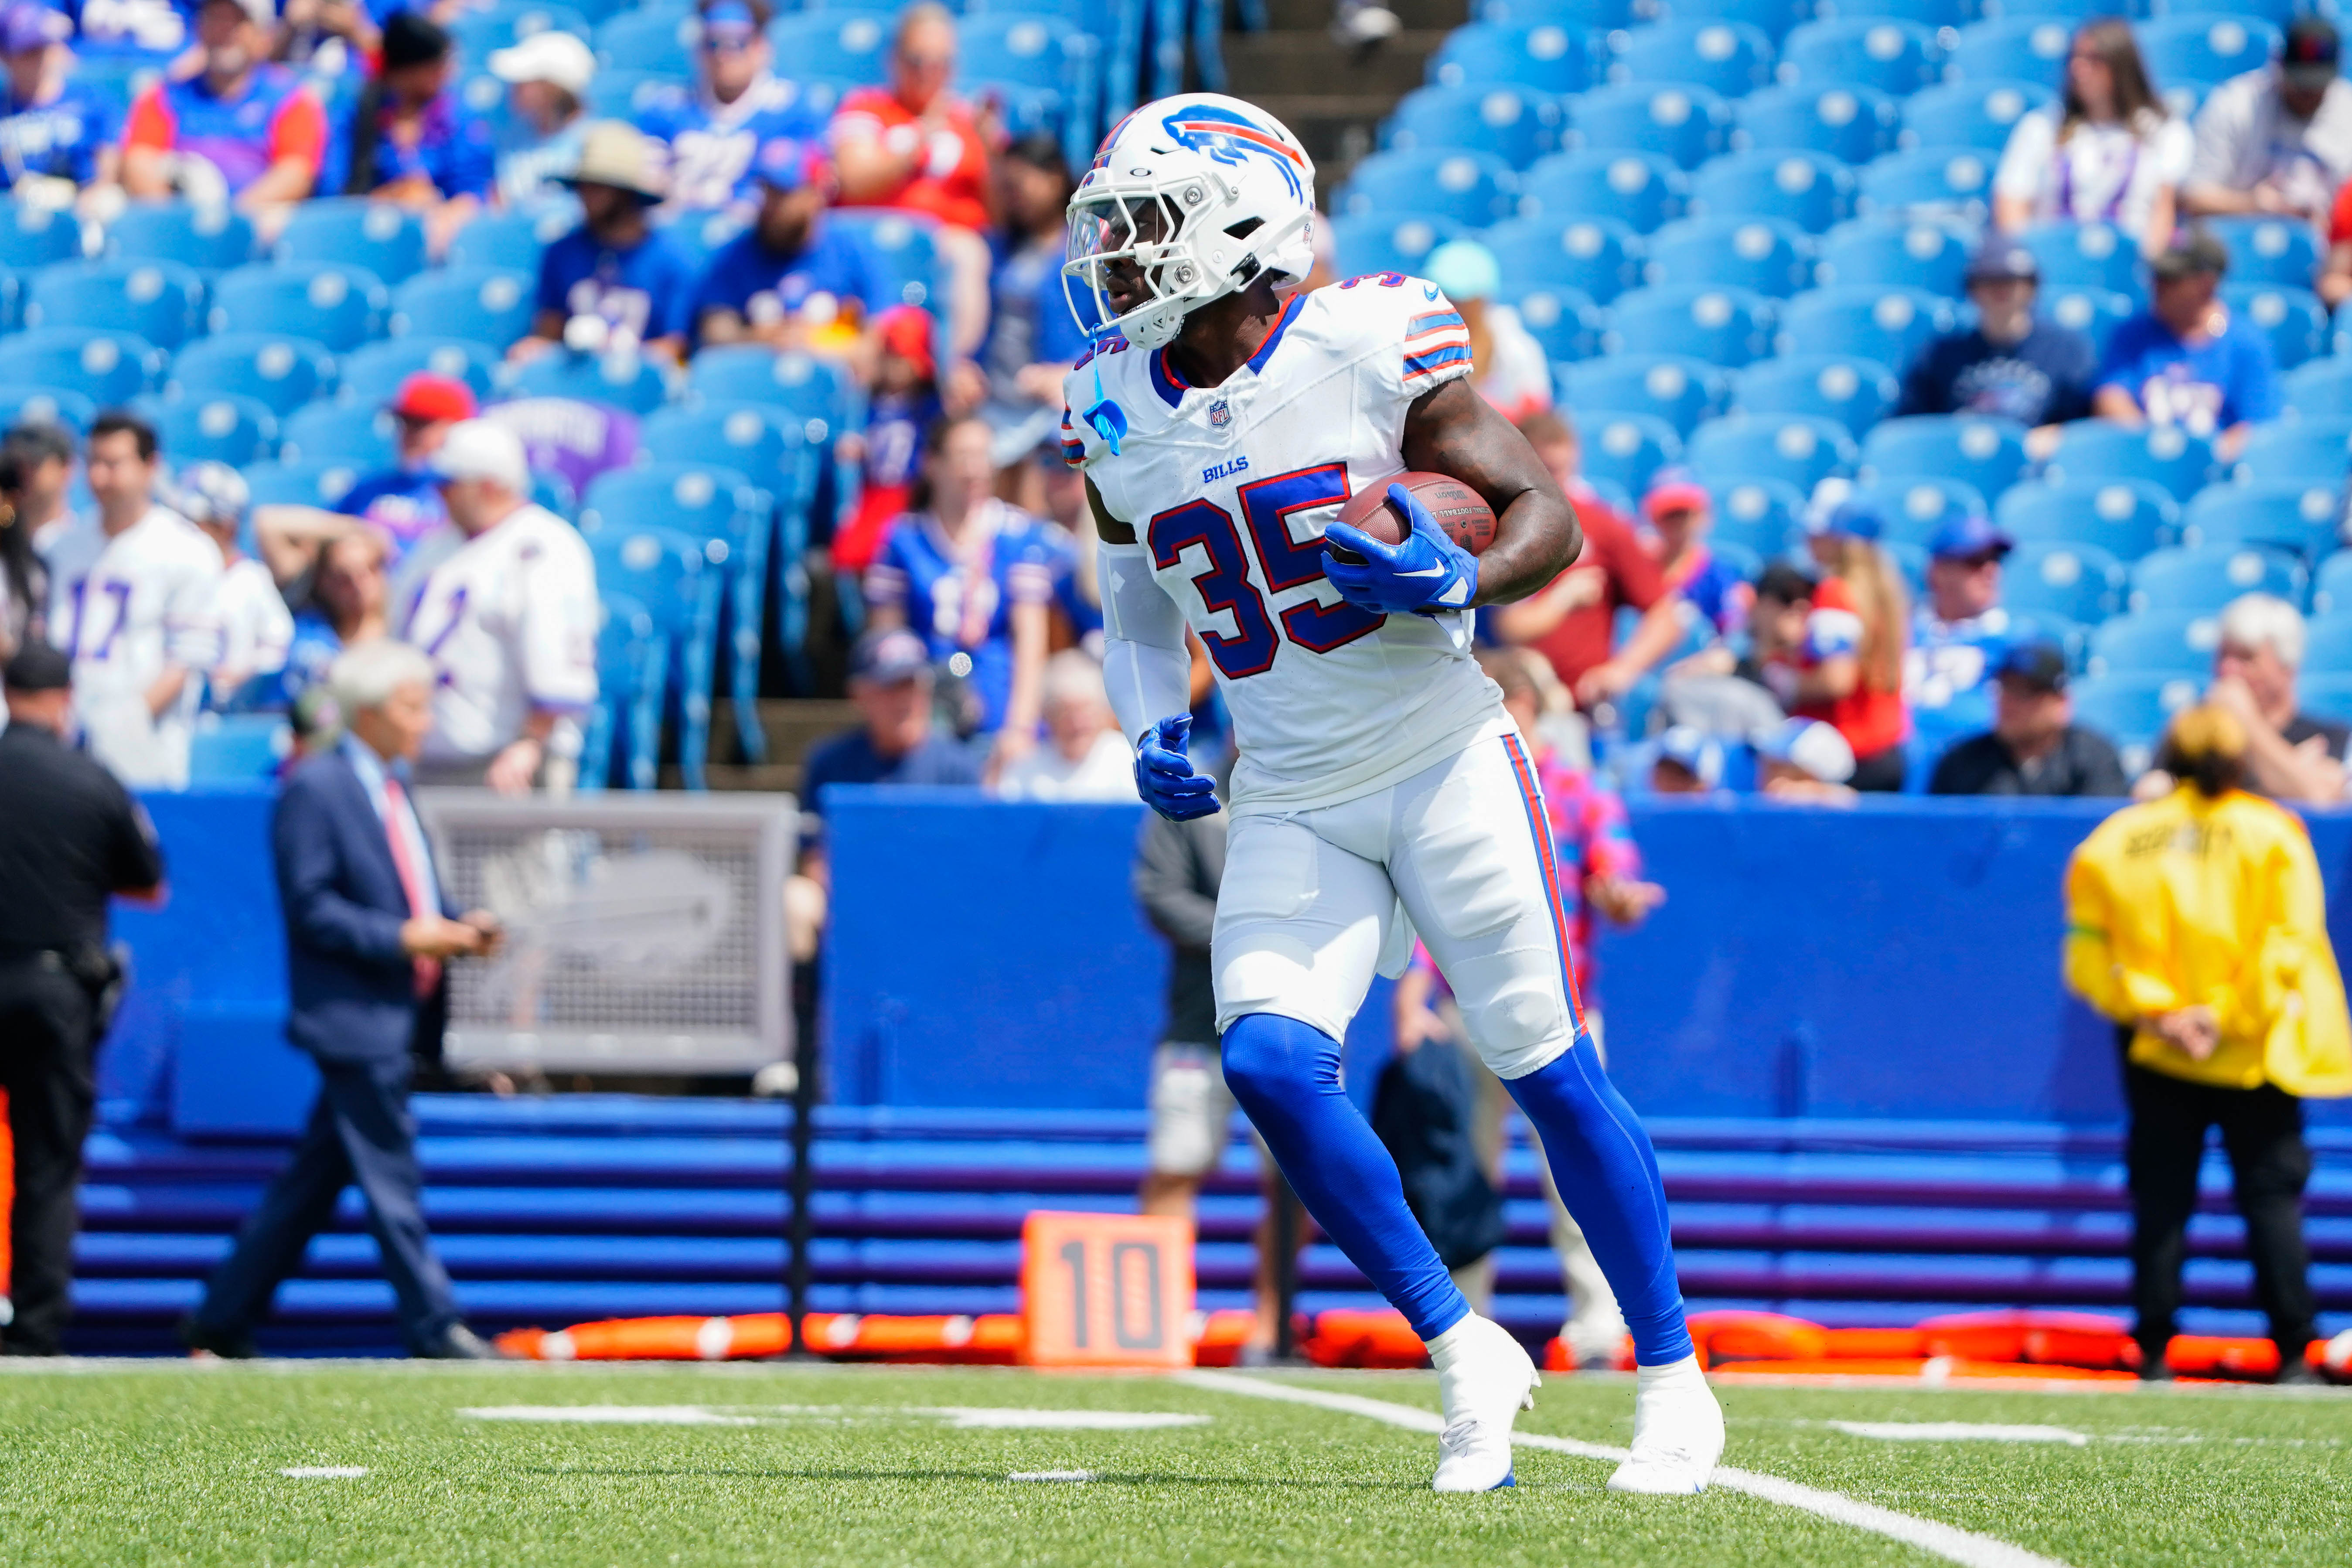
[2278, 13]
[825, 43]
[496, 26]
[2094, 313]
[1811, 189]
[1546, 56]
[1564, 321]
[2132, 710]
[629, 382]
[2125, 518]
[237, 748]
[1678, 389]
[1574, 14]
[1732, 58]
[2092, 449]
[2327, 647]
[2321, 389]
[1794, 448]
[105, 366]
[210, 238]
[1045, 59]
[660, 39]
[1379, 242]
[674, 576]
[2269, 251]
[238, 431]
[2087, 254]
[481, 305]
[1851, 124]
[2080, 582]
[32, 237]
[1856, 393]
[334, 303]
[1896, 58]
[20, 404]
[1729, 327]
[160, 301]
[2292, 319]
[1773, 18]
[2298, 451]
[2282, 514]
[2208, 50]
[703, 234]
[1641, 190]
[2325, 696]
[632, 671]
[1474, 189]
[1758, 515]
[280, 370]
[358, 434]
[903, 247]
[387, 240]
[1952, 14]
[1764, 256]
[321, 484]
[2331, 587]
[1929, 182]
[1598, 257]
[2160, 642]
[372, 374]
[1988, 453]
[1972, 113]
[820, 393]
[2202, 578]
[1624, 450]
[1929, 255]
[1889, 325]
[509, 240]
[2023, 49]
[1916, 508]
[1687, 125]
[621, 93]
[1516, 125]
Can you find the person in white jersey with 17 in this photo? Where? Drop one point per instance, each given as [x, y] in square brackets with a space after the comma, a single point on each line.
[1381, 790]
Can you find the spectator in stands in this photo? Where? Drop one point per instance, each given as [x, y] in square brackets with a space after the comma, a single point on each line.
[916, 146]
[2035, 746]
[1033, 338]
[348, 602]
[715, 129]
[1572, 621]
[256, 628]
[791, 280]
[411, 142]
[2278, 140]
[1084, 757]
[1688, 761]
[2290, 754]
[615, 282]
[1848, 671]
[971, 576]
[314, 32]
[130, 600]
[904, 405]
[57, 136]
[1807, 759]
[23, 579]
[548, 75]
[402, 505]
[2186, 360]
[1512, 373]
[892, 683]
[2198, 922]
[2107, 151]
[2012, 364]
[1678, 514]
[241, 127]
[42, 452]
[511, 617]
[1959, 632]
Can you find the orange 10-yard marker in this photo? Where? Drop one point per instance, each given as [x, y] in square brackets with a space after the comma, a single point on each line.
[1106, 1289]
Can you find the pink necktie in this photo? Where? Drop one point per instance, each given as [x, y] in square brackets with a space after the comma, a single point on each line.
[412, 878]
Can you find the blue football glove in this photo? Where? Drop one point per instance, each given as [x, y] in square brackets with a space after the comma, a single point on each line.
[1424, 574]
[1164, 777]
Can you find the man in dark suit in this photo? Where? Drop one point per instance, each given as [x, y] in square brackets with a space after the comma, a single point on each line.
[367, 932]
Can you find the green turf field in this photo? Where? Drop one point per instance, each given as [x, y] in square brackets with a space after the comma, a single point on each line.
[165, 1463]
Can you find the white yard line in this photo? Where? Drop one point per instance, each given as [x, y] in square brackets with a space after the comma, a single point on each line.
[998, 1417]
[1948, 1542]
[324, 1472]
[1957, 1432]
[1051, 1476]
[611, 1415]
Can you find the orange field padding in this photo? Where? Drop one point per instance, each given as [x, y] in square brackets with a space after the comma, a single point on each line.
[1348, 1338]
[2050, 1339]
[1225, 1333]
[1756, 1336]
[1896, 1344]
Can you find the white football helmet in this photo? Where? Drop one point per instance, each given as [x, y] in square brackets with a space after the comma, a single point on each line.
[1190, 199]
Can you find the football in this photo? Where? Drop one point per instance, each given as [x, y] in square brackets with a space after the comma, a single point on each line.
[1460, 511]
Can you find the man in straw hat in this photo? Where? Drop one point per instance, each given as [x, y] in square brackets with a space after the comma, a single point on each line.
[615, 282]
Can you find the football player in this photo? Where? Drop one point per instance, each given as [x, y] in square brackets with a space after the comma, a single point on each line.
[1380, 791]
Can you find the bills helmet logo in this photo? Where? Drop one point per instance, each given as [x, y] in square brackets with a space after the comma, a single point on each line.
[1231, 138]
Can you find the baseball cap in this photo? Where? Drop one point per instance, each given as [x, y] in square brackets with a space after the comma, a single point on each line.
[39, 666]
[261, 12]
[907, 332]
[2040, 665]
[887, 658]
[1856, 517]
[1693, 751]
[410, 39]
[2002, 256]
[551, 57]
[2191, 252]
[1969, 537]
[2307, 58]
[786, 163]
[210, 492]
[27, 27]
[729, 22]
[478, 450]
[424, 395]
[1674, 489]
[1809, 744]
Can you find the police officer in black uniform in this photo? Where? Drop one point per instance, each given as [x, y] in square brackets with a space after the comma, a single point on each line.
[70, 836]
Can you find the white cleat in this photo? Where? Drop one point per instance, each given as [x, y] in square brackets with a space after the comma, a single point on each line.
[1483, 1380]
[1677, 1433]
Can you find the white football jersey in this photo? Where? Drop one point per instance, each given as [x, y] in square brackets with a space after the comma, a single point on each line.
[510, 617]
[1230, 488]
[124, 609]
[255, 627]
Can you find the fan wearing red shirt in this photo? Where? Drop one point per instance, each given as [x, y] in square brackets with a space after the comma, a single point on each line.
[1572, 622]
[1849, 671]
[2335, 283]
[253, 122]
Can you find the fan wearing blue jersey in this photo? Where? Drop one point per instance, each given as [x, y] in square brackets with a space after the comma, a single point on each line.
[616, 281]
[51, 126]
[1382, 791]
[714, 129]
[790, 280]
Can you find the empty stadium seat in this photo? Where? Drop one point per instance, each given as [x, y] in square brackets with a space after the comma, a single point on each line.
[1895, 57]
[1377, 242]
[2080, 582]
[106, 366]
[320, 484]
[1856, 393]
[21, 405]
[1851, 124]
[1758, 515]
[2291, 320]
[280, 370]
[1764, 256]
[1929, 182]
[2208, 50]
[32, 237]
[632, 670]
[2092, 449]
[238, 431]
[161, 301]
[2298, 451]
[2094, 313]
[1598, 257]
[1517, 125]
[2125, 518]
[211, 239]
[2320, 389]
[2088, 255]
[509, 240]
[1641, 190]
[1474, 189]
[1933, 257]
[1733, 59]
[673, 575]
[388, 240]
[1811, 191]
[2022, 48]
[2132, 710]
[2164, 642]
[1564, 322]
[1729, 327]
[629, 382]
[2280, 513]
[237, 748]
[372, 373]
[1624, 450]
[620, 93]
[1797, 450]
[1886, 324]
[1687, 125]
[1972, 113]
[1987, 453]
[490, 306]
[358, 434]
[818, 391]
[331, 303]
[2325, 696]
[2269, 251]
[1773, 18]
[2331, 585]
[662, 39]
[1915, 508]
[1546, 55]
[1675, 388]
[2327, 645]
[1579, 14]
[2202, 578]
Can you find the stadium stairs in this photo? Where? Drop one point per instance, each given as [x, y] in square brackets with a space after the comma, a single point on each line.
[1334, 100]
[557, 1211]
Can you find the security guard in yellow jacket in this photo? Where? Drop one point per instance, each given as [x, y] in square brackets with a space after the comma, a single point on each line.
[2198, 922]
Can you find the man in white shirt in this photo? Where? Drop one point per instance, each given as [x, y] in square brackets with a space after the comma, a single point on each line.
[131, 589]
[2278, 140]
[510, 617]
[1084, 757]
[255, 627]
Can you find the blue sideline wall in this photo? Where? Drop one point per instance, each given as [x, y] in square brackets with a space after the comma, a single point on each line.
[1899, 960]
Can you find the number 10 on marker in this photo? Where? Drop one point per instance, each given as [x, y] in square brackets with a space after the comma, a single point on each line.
[1102, 1289]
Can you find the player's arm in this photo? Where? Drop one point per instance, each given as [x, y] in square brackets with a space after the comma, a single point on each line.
[1454, 431]
[1148, 670]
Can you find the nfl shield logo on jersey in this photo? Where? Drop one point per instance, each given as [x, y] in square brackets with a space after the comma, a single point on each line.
[1220, 414]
